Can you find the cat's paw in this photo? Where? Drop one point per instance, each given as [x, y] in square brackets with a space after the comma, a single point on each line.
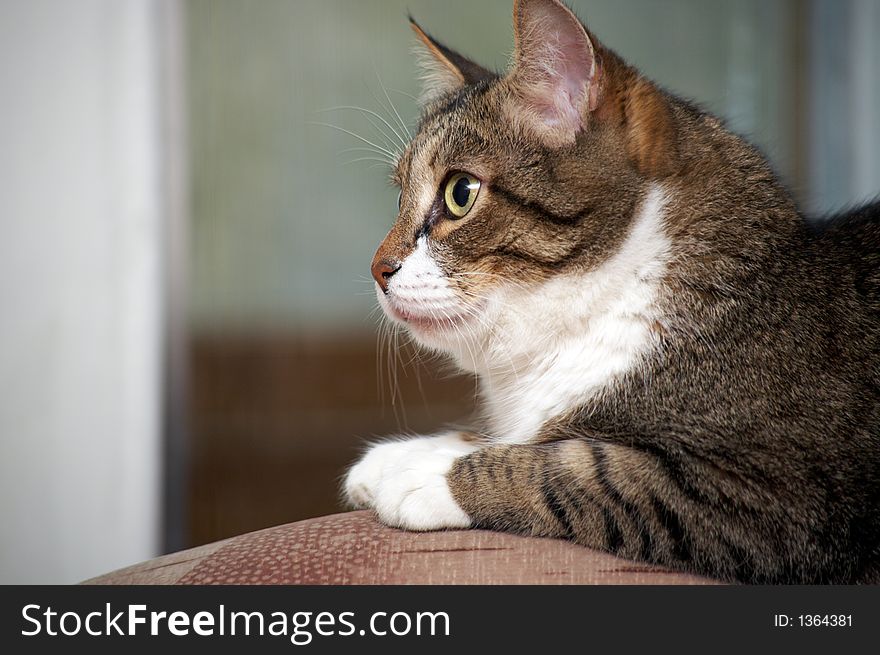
[405, 482]
[362, 480]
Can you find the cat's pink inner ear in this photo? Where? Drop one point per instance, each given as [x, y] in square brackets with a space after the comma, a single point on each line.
[555, 64]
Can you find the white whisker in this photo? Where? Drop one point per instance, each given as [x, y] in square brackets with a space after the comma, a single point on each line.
[393, 108]
[403, 142]
[379, 148]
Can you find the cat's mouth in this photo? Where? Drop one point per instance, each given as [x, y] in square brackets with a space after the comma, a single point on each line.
[426, 321]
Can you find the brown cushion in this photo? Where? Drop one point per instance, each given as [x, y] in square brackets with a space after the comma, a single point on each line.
[354, 548]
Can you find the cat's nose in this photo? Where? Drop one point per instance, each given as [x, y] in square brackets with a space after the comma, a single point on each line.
[382, 271]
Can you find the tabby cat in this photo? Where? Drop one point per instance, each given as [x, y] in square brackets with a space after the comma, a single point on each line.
[675, 365]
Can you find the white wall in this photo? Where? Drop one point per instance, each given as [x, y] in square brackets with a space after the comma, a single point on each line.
[79, 288]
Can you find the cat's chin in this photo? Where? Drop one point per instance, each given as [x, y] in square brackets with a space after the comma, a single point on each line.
[422, 325]
[431, 330]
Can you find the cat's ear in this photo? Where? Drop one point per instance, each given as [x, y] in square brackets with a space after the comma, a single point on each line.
[563, 78]
[443, 70]
[556, 71]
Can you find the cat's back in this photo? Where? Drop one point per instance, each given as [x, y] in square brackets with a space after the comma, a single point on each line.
[854, 231]
[838, 303]
[846, 248]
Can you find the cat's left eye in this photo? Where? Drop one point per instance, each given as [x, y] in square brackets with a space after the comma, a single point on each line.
[461, 194]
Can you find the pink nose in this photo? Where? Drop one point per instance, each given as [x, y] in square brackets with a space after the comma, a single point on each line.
[382, 271]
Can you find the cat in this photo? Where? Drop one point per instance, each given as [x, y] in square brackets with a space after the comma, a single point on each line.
[675, 365]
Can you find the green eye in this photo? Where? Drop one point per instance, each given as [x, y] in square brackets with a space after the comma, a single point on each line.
[461, 193]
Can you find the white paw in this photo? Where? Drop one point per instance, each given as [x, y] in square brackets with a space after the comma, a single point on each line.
[405, 482]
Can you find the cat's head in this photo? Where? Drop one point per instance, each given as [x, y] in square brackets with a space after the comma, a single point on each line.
[517, 181]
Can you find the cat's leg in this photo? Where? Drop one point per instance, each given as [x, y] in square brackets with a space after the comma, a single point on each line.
[665, 508]
[405, 481]
[591, 492]
[678, 513]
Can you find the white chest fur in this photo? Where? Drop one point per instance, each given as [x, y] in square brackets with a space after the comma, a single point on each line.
[553, 350]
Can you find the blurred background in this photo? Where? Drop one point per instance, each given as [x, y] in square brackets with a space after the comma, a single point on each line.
[188, 347]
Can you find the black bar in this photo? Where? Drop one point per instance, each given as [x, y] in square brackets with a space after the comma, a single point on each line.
[684, 619]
